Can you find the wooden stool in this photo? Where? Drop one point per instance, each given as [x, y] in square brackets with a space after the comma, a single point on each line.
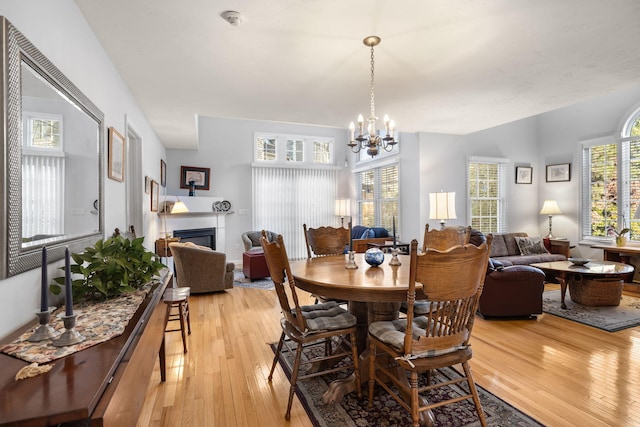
[179, 298]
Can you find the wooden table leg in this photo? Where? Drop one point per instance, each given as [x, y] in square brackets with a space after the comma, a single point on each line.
[563, 289]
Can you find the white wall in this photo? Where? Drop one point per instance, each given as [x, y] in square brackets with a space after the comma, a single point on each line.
[60, 32]
[443, 168]
[226, 147]
[560, 133]
[428, 163]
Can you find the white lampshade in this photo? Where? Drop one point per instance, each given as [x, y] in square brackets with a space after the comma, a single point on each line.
[343, 207]
[171, 207]
[442, 206]
[179, 207]
[550, 207]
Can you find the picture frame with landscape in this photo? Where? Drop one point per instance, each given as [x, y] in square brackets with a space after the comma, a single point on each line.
[559, 172]
[524, 174]
[116, 155]
[200, 176]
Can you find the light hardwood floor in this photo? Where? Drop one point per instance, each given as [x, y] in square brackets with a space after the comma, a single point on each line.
[562, 373]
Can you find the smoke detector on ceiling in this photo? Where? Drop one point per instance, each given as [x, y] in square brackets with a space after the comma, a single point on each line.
[232, 17]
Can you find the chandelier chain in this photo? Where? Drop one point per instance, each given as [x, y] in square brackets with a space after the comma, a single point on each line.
[373, 104]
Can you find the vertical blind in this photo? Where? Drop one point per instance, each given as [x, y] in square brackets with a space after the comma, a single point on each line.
[286, 198]
[42, 195]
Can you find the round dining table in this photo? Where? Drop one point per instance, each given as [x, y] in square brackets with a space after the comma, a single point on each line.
[373, 294]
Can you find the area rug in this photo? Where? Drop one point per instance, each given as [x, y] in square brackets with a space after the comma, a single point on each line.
[243, 282]
[608, 318]
[386, 412]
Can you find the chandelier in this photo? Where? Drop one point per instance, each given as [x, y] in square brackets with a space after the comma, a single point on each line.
[371, 140]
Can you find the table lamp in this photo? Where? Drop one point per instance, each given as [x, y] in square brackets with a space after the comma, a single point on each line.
[550, 207]
[343, 208]
[442, 206]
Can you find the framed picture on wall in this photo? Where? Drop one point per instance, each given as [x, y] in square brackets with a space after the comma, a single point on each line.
[116, 155]
[147, 185]
[163, 173]
[155, 194]
[524, 175]
[199, 176]
[558, 173]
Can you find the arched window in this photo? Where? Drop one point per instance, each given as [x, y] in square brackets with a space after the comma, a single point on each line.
[611, 182]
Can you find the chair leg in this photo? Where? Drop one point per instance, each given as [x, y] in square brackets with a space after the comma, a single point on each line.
[356, 363]
[276, 356]
[181, 314]
[294, 380]
[474, 393]
[188, 315]
[415, 405]
[372, 372]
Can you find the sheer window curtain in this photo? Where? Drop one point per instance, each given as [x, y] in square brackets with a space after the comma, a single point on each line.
[286, 198]
[42, 195]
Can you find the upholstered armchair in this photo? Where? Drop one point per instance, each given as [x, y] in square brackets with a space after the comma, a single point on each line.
[201, 268]
[251, 240]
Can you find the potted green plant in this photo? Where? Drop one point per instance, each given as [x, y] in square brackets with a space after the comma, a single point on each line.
[110, 268]
[621, 239]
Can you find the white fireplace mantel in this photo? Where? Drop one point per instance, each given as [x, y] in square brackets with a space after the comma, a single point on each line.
[200, 215]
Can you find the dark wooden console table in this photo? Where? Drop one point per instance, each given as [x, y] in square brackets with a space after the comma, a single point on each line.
[621, 254]
[103, 385]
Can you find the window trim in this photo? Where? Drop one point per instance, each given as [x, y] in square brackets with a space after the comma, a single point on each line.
[308, 143]
[27, 118]
[377, 166]
[503, 223]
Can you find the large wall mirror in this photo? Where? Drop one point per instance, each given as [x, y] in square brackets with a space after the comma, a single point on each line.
[52, 162]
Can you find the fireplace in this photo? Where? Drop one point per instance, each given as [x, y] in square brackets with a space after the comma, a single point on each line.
[199, 236]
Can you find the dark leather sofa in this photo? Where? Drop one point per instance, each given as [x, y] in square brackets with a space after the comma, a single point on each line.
[513, 291]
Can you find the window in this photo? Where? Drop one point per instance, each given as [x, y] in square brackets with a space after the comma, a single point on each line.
[43, 164]
[611, 182]
[284, 198]
[486, 192]
[378, 196]
[293, 149]
[265, 148]
[42, 131]
[322, 152]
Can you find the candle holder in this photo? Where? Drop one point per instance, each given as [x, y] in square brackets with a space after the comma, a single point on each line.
[44, 331]
[351, 262]
[394, 257]
[70, 336]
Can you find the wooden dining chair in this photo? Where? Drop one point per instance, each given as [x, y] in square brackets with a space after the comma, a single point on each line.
[452, 280]
[324, 241]
[445, 238]
[308, 324]
[439, 239]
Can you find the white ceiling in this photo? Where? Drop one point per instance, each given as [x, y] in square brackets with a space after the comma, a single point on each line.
[447, 66]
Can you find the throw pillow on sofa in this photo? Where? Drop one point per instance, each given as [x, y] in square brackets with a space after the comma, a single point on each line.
[531, 245]
[368, 234]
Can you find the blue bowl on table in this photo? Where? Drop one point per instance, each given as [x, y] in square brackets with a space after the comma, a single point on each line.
[374, 257]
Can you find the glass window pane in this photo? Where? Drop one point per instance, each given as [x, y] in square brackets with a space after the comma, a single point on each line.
[294, 151]
[322, 152]
[265, 148]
